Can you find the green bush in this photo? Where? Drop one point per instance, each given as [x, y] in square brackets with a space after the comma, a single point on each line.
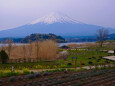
[12, 79]
[26, 71]
[6, 73]
[3, 57]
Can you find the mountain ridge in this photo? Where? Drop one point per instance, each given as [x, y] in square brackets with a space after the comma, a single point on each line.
[56, 24]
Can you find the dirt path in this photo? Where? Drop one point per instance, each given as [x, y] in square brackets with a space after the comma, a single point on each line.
[111, 51]
[110, 58]
[86, 67]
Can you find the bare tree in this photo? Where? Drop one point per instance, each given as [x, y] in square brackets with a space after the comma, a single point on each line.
[101, 35]
[48, 50]
[3, 46]
[37, 47]
[30, 48]
[24, 50]
[10, 46]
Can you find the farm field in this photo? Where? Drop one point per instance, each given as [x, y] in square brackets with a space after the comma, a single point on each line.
[100, 77]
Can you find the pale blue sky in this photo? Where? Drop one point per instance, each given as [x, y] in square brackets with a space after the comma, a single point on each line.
[14, 13]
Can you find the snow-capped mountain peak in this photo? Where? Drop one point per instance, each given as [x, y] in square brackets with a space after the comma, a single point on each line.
[53, 18]
[55, 23]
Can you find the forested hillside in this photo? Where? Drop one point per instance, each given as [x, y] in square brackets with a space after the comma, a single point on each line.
[42, 37]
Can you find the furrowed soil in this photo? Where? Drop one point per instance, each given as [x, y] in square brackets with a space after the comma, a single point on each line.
[85, 78]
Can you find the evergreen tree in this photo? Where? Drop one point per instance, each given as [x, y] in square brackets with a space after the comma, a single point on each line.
[3, 57]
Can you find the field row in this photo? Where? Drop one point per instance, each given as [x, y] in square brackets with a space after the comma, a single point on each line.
[105, 77]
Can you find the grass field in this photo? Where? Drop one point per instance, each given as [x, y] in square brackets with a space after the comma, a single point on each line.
[82, 55]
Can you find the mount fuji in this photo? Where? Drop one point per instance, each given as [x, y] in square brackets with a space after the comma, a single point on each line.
[55, 23]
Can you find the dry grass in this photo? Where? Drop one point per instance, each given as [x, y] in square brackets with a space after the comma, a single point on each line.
[41, 50]
[73, 45]
[48, 50]
[89, 44]
[82, 45]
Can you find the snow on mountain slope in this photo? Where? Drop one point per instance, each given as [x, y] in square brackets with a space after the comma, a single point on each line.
[53, 18]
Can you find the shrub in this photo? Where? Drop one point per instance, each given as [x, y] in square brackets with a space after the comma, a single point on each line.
[107, 61]
[1, 81]
[90, 62]
[29, 76]
[4, 57]
[93, 57]
[50, 73]
[89, 58]
[30, 83]
[1, 73]
[97, 61]
[10, 73]
[69, 64]
[20, 78]
[64, 47]
[26, 71]
[37, 74]
[35, 83]
[83, 64]
[100, 56]
[65, 71]
[12, 79]
[45, 74]
[24, 84]
[31, 72]
[4, 73]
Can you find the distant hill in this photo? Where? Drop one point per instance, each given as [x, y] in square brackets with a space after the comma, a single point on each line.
[112, 36]
[88, 38]
[15, 40]
[58, 39]
[42, 37]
